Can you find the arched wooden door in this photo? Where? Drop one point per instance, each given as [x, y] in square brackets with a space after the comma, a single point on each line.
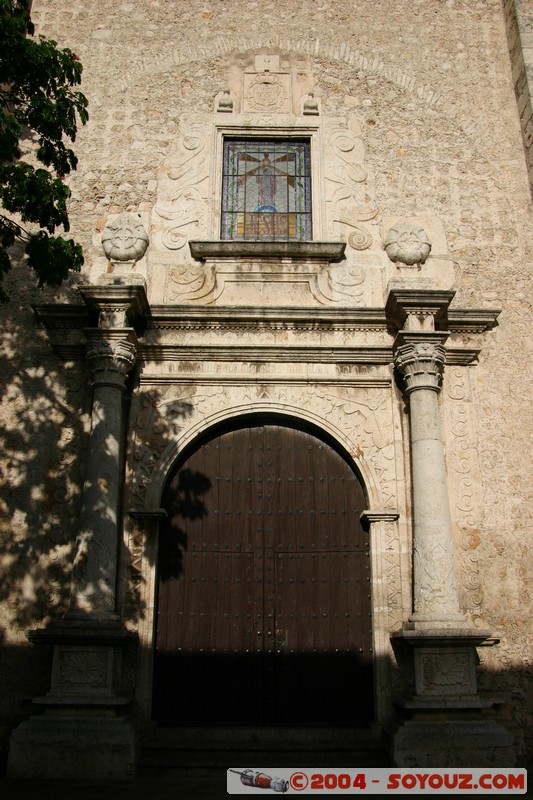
[264, 585]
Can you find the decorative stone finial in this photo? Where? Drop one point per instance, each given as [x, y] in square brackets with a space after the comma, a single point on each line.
[125, 239]
[408, 243]
[225, 103]
[311, 104]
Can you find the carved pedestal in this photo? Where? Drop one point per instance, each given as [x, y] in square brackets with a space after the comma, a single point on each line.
[82, 730]
[442, 719]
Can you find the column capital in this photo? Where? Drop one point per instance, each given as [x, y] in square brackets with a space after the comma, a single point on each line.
[420, 358]
[117, 304]
[418, 309]
[110, 354]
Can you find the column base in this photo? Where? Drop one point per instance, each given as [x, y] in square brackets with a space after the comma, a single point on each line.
[442, 719]
[430, 742]
[448, 622]
[440, 661]
[62, 747]
[83, 731]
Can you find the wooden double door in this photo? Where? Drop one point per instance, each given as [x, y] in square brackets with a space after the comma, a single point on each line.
[264, 613]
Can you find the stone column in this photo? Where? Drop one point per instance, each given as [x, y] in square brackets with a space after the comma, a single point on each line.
[420, 358]
[84, 730]
[111, 355]
[440, 711]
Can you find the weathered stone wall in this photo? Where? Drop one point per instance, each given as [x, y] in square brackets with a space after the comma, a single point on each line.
[429, 87]
[519, 24]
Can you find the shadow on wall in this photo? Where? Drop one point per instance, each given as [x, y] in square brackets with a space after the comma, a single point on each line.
[45, 411]
[43, 431]
[45, 418]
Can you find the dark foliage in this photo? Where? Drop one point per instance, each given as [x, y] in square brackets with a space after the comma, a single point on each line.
[38, 105]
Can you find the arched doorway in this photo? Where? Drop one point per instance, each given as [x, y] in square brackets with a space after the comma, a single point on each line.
[264, 613]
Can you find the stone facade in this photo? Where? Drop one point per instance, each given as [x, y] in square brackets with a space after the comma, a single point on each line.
[401, 331]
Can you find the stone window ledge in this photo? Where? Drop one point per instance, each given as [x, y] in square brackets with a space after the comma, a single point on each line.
[307, 251]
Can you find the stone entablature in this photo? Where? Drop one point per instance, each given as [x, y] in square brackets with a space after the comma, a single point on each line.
[268, 334]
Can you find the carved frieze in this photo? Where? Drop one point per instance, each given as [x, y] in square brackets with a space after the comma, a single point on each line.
[367, 415]
[349, 191]
[159, 414]
[191, 283]
[347, 171]
[157, 417]
[279, 282]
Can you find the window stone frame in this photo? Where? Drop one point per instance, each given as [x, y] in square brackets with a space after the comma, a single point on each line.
[283, 132]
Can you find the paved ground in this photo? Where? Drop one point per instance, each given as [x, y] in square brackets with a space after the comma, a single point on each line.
[164, 787]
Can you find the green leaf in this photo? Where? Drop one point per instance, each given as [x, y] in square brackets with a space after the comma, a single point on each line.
[38, 98]
[52, 258]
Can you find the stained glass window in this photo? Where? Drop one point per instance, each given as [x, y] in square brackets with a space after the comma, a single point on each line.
[266, 190]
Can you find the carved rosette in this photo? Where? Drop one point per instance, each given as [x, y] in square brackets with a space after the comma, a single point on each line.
[110, 360]
[407, 243]
[445, 672]
[125, 239]
[421, 363]
[82, 670]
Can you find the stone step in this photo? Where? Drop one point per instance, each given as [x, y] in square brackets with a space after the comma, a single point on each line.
[261, 737]
[222, 759]
[218, 748]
